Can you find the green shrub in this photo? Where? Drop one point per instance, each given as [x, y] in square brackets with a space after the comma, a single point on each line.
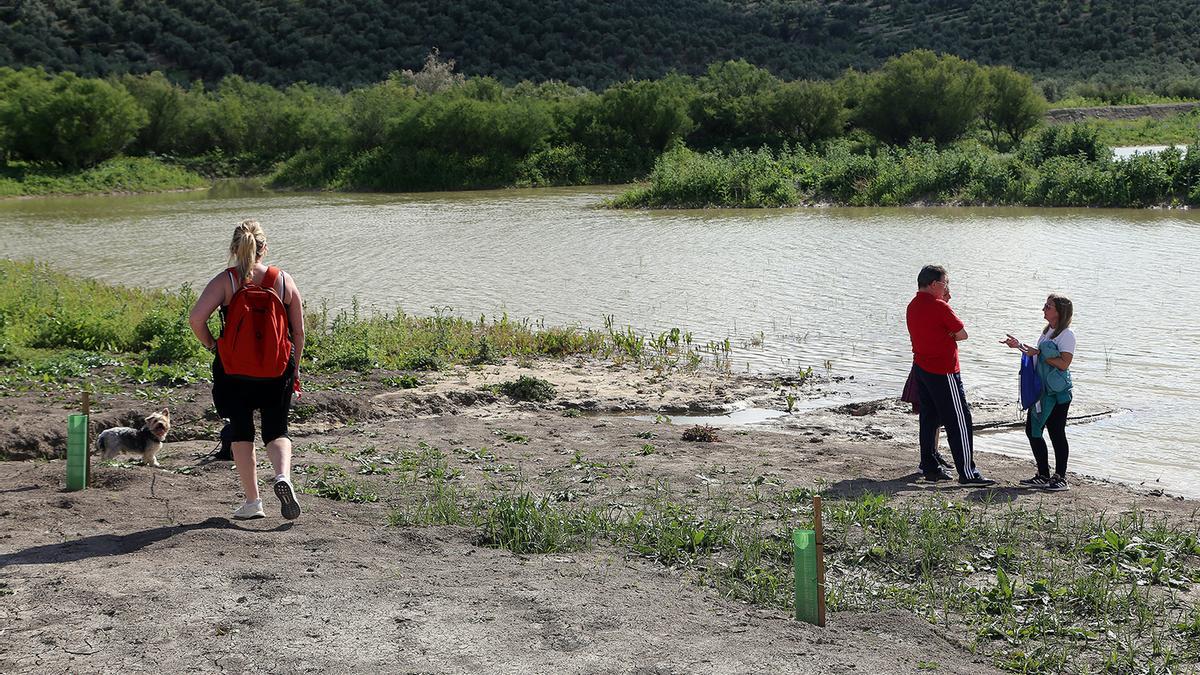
[921, 95]
[343, 343]
[997, 179]
[1187, 176]
[557, 165]
[1067, 140]
[562, 341]
[64, 119]
[841, 174]
[1144, 179]
[120, 174]
[7, 358]
[174, 345]
[1012, 106]
[310, 168]
[487, 353]
[526, 388]
[1071, 181]
[683, 178]
[806, 112]
[733, 105]
[79, 330]
[421, 360]
[165, 104]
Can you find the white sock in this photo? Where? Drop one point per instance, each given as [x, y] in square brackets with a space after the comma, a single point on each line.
[280, 477]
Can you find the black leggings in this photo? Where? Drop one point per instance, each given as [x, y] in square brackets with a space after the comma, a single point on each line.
[1056, 428]
[237, 399]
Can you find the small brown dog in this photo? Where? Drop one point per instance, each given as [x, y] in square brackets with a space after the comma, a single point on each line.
[148, 440]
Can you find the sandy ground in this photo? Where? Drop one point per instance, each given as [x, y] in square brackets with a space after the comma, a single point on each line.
[145, 571]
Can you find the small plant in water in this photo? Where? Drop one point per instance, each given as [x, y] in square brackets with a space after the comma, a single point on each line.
[805, 374]
[791, 401]
[701, 433]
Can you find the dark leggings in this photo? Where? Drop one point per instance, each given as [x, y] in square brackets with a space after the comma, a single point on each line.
[1056, 428]
[237, 399]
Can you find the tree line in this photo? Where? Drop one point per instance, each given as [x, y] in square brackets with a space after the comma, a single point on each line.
[436, 129]
[345, 44]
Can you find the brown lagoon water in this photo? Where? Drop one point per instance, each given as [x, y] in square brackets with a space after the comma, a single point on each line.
[821, 287]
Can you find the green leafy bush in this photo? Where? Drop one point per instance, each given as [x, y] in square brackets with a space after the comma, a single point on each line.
[687, 179]
[1066, 140]
[1012, 106]
[421, 360]
[557, 165]
[527, 388]
[79, 330]
[921, 95]
[64, 119]
[1071, 181]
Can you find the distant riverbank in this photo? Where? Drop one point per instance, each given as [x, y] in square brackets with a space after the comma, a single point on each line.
[1156, 111]
[115, 176]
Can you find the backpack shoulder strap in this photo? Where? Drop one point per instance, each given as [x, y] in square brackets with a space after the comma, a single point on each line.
[234, 285]
[269, 279]
[283, 295]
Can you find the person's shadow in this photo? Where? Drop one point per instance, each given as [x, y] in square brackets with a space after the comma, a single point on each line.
[854, 488]
[102, 545]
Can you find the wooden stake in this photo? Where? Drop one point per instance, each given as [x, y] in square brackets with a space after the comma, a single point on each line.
[819, 531]
[87, 441]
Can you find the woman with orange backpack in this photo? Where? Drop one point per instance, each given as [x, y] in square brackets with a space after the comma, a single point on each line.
[257, 364]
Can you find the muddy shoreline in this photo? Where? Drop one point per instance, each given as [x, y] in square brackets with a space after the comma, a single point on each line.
[145, 571]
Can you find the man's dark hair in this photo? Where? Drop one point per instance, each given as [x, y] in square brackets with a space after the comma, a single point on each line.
[930, 274]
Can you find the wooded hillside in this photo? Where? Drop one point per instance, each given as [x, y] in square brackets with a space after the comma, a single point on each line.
[351, 42]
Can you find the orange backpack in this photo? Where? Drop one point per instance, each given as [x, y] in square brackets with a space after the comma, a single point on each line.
[255, 340]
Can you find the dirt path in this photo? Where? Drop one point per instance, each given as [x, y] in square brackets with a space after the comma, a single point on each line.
[1120, 112]
[145, 572]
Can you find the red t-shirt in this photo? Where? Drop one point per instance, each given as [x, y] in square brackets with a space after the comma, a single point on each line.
[931, 327]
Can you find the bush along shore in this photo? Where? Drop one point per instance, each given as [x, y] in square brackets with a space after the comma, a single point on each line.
[52, 323]
[1035, 586]
[1062, 166]
[434, 129]
[117, 175]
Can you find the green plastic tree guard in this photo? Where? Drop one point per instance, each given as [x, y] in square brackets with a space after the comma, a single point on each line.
[805, 559]
[77, 428]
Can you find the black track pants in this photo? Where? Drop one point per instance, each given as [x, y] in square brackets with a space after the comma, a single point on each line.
[943, 403]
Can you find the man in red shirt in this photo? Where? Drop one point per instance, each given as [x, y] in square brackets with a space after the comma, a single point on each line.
[935, 331]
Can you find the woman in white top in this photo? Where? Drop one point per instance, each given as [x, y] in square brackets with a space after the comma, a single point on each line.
[1057, 312]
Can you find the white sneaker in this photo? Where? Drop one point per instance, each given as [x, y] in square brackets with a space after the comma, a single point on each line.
[250, 510]
[289, 507]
